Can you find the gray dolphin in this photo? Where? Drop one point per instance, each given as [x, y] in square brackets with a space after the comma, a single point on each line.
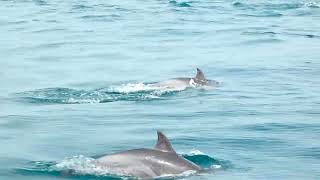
[147, 163]
[183, 82]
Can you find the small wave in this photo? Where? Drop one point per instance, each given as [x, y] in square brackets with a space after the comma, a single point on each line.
[205, 161]
[84, 166]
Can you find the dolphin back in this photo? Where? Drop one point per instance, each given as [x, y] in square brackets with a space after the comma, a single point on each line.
[147, 163]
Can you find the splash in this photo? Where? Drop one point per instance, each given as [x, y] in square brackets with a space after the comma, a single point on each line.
[123, 92]
[78, 165]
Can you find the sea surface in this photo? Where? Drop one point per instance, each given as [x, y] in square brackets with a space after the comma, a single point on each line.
[74, 85]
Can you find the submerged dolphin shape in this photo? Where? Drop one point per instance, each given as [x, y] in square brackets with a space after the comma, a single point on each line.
[147, 163]
[183, 82]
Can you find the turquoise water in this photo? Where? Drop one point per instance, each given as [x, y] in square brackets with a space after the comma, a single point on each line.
[74, 80]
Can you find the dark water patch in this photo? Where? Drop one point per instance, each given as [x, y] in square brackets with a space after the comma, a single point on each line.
[15, 122]
[270, 6]
[81, 7]
[180, 4]
[262, 41]
[263, 14]
[179, 31]
[40, 2]
[98, 7]
[273, 34]
[303, 13]
[52, 45]
[19, 22]
[242, 5]
[207, 162]
[52, 21]
[271, 9]
[49, 30]
[281, 127]
[255, 33]
[312, 153]
[312, 111]
[121, 9]
[104, 18]
[303, 35]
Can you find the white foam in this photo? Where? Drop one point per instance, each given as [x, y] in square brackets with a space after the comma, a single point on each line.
[192, 83]
[82, 101]
[141, 87]
[131, 88]
[80, 165]
[183, 174]
[216, 166]
[152, 96]
[196, 152]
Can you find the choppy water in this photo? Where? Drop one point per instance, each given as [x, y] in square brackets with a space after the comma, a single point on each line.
[73, 85]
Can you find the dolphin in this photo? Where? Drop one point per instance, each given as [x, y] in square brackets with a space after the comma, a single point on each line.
[145, 163]
[183, 82]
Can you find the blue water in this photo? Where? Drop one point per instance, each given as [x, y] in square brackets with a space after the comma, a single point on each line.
[74, 80]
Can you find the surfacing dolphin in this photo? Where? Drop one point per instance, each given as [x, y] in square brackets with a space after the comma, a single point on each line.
[147, 163]
[183, 82]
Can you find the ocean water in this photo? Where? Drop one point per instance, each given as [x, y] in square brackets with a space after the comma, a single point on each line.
[74, 85]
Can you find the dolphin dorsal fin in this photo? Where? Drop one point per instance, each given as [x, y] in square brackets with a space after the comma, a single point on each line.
[200, 75]
[163, 144]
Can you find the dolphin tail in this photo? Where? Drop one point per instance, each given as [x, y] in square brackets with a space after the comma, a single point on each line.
[163, 143]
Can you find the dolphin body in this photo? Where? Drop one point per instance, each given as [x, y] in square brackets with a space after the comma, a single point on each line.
[147, 163]
[183, 82]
